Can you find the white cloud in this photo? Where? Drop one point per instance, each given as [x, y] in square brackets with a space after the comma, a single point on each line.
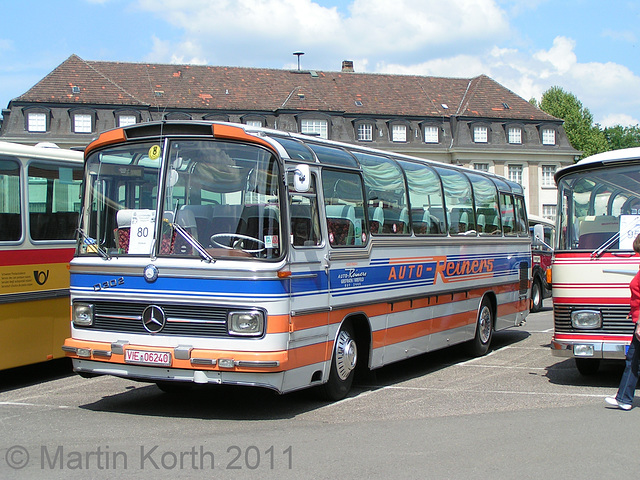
[619, 119]
[459, 38]
[233, 31]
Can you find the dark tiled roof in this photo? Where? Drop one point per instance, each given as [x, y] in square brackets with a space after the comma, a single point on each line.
[254, 89]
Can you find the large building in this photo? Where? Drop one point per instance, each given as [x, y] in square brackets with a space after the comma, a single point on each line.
[475, 122]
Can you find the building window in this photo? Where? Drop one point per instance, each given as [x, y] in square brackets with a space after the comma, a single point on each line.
[483, 167]
[548, 171]
[254, 123]
[515, 135]
[126, 120]
[37, 122]
[548, 136]
[515, 173]
[398, 133]
[549, 211]
[317, 128]
[82, 123]
[431, 134]
[480, 134]
[365, 132]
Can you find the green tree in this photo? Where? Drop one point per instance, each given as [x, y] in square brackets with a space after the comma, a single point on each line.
[622, 137]
[578, 121]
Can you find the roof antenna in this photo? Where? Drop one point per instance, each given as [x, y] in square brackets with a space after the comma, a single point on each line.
[298, 54]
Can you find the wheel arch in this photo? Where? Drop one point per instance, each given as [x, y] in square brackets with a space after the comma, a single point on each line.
[363, 332]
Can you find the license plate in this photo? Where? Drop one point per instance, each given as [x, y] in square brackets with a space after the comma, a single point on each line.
[143, 357]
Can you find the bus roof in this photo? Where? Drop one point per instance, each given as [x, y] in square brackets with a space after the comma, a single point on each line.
[599, 160]
[47, 151]
[535, 219]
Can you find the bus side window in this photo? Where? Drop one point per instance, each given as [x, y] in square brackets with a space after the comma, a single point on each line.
[508, 214]
[305, 223]
[54, 201]
[344, 207]
[458, 199]
[10, 224]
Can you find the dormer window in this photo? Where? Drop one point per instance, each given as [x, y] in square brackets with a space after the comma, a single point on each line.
[36, 122]
[365, 132]
[431, 134]
[398, 133]
[480, 134]
[548, 136]
[514, 135]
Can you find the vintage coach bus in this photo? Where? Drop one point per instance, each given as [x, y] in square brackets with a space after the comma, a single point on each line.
[594, 261]
[39, 205]
[221, 253]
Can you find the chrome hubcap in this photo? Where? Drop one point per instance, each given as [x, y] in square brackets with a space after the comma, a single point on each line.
[346, 355]
[485, 324]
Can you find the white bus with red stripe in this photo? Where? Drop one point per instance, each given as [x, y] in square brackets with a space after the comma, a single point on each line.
[598, 219]
[222, 253]
[39, 205]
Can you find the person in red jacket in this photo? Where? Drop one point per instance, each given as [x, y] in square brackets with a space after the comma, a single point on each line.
[627, 388]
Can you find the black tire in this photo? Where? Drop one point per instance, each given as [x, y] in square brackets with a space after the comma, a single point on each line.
[343, 365]
[536, 296]
[588, 366]
[479, 346]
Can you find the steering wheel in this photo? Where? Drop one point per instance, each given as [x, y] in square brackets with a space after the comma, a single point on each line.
[237, 244]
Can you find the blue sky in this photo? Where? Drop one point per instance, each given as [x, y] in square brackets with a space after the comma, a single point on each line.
[590, 48]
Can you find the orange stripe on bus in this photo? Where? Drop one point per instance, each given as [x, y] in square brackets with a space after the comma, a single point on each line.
[402, 333]
[298, 357]
[238, 133]
[106, 138]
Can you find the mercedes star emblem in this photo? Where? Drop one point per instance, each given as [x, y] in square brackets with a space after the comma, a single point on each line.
[153, 319]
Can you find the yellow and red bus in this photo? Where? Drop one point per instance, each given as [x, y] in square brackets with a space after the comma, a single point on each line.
[594, 261]
[39, 205]
[230, 254]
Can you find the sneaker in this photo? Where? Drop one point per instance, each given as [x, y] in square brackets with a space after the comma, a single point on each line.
[615, 403]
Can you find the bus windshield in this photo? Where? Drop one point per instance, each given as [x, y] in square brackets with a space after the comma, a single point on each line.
[599, 209]
[221, 198]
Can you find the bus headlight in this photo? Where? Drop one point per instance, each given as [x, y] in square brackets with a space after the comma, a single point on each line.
[249, 323]
[586, 319]
[82, 314]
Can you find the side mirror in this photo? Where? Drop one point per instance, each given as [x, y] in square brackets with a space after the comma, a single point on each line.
[301, 178]
[538, 235]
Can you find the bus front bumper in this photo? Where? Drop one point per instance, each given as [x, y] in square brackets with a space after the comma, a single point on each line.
[589, 349]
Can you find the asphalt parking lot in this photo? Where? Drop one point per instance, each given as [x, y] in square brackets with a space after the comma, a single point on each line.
[516, 413]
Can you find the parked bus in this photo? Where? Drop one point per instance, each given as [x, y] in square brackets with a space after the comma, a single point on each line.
[229, 254]
[599, 217]
[39, 206]
[543, 233]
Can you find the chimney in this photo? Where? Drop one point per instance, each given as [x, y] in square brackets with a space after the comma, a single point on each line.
[347, 66]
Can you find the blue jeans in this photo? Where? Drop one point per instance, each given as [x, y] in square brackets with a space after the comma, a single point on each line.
[629, 379]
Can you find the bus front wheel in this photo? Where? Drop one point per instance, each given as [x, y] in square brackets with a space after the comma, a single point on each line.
[343, 365]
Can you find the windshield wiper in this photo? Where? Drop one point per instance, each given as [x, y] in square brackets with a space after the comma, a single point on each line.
[92, 245]
[195, 244]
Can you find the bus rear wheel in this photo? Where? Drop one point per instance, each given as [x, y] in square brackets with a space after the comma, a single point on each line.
[343, 365]
[484, 330]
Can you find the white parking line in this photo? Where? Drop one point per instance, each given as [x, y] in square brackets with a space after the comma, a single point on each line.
[502, 392]
[40, 405]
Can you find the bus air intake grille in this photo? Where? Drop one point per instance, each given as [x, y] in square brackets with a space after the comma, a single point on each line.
[181, 320]
[614, 319]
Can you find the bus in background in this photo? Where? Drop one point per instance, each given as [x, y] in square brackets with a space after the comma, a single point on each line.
[228, 254]
[39, 205]
[543, 233]
[594, 261]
